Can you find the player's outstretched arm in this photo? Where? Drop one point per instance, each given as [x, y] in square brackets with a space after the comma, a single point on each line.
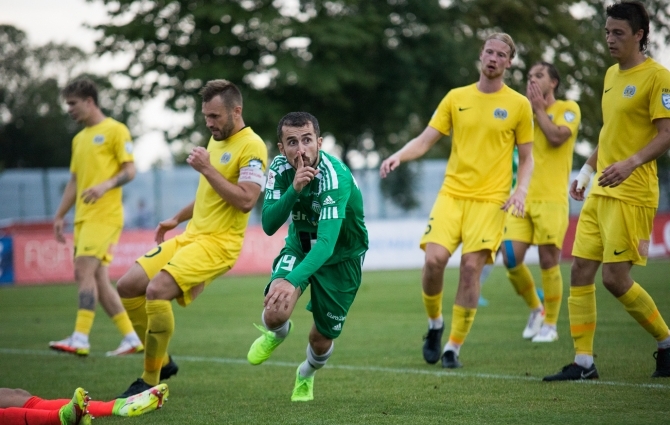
[414, 149]
[615, 174]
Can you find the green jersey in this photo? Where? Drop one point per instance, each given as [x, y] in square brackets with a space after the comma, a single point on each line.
[327, 215]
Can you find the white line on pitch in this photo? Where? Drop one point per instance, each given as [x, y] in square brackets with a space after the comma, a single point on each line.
[400, 371]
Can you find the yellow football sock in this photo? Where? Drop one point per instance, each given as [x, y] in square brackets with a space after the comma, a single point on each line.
[552, 283]
[461, 322]
[159, 331]
[122, 322]
[639, 304]
[84, 321]
[524, 285]
[582, 312]
[136, 308]
[433, 304]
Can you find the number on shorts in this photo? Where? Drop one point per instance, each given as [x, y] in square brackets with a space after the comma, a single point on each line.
[429, 227]
[288, 261]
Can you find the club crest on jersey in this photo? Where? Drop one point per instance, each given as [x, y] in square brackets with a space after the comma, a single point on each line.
[99, 139]
[569, 116]
[500, 114]
[629, 91]
[256, 163]
[316, 207]
[665, 98]
[225, 158]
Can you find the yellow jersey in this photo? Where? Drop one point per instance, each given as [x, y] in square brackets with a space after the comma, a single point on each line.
[632, 99]
[97, 155]
[485, 128]
[241, 157]
[551, 175]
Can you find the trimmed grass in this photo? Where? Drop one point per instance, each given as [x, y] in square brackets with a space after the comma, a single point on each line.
[376, 375]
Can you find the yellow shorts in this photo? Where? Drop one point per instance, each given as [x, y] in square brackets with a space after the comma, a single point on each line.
[192, 260]
[477, 224]
[613, 231]
[96, 240]
[545, 223]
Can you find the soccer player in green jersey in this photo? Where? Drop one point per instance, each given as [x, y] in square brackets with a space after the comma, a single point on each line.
[324, 250]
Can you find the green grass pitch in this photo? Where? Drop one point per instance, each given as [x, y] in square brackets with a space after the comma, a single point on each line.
[376, 374]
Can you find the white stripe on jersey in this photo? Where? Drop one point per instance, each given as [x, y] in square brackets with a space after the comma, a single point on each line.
[328, 213]
[330, 181]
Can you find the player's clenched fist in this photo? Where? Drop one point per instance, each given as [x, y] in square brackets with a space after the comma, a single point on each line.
[198, 159]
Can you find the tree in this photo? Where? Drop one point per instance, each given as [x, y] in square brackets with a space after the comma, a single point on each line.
[371, 71]
[34, 130]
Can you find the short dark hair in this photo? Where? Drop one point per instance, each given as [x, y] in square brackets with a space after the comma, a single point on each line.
[551, 70]
[635, 14]
[298, 119]
[230, 94]
[81, 88]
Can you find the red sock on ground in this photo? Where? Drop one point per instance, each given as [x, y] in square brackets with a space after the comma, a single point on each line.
[22, 416]
[95, 408]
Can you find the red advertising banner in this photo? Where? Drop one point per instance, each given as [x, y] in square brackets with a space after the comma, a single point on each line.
[39, 259]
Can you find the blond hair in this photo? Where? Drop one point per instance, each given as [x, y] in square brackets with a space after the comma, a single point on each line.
[505, 38]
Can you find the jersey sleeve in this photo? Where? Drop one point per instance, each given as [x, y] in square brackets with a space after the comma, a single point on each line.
[441, 119]
[73, 162]
[659, 107]
[570, 117]
[253, 163]
[326, 237]
[123, 144]
[524, 132]
[280, 196]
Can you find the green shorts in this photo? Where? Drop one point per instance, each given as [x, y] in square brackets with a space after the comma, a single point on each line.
[332, 289]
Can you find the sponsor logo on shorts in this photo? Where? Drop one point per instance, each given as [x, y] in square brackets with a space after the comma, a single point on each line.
[337, 327]
[334, 317]
[619, 252]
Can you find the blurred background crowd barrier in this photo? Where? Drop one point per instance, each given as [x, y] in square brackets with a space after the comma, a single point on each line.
[30, 197]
